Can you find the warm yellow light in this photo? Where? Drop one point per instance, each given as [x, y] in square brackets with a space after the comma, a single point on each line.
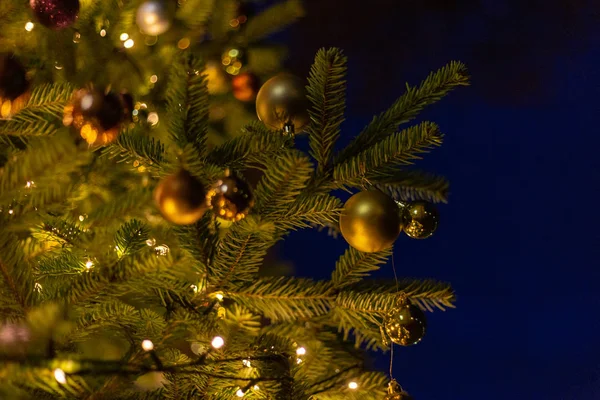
[147, 345]
[301, 351]
[29, 26]
[124, 36]
[153, 118]
[154, 79]
[219, 296]
[129, 43]
[256, 387]
[103, 32]
[298, 361]
[194, 288]
[89, 264]
[217, 342]
[239, 393]
[184, 43]
[246, 363]
[60, 376]
[353, 385]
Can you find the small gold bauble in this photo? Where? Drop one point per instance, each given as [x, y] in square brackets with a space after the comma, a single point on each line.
[420, 219]
[282, 102]
[395, 392]
[181, 198]
[230, 198]
[370, 221]
[96, 116]
[405, 324]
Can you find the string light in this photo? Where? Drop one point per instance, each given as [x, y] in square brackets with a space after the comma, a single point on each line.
[298, 361]
[60, 376]
[154, 79]
[246, 363]
[10, 212]
[240, 393]
[194, 288]
[29, 26]
[161, 250]
[256, 387]
[103, 32]
[147, 345]
[151, 242]
[153, 118]
[30, 184]
[37, 287]
[217, 342]
[129, 43]
[89, 264]
[124, 36]
[81, 218]
[219, 296]
[301, 351]
[353, 385]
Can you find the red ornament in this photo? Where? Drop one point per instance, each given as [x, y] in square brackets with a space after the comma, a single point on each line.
[55, 14]
[245, 86]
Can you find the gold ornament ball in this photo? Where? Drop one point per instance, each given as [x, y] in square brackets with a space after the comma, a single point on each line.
[181, 198]
[282, 101]
[405, 324]
[395, 392]
[420, 219]
[370, 221]
[230, 198]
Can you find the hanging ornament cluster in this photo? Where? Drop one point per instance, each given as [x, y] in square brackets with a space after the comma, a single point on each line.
[95, 115]
[154, 17]
[245, 86]
[230, 197]
[405, 324]
[234, 59]
[14, 85]
[55, 14]
[370, 221]
[395, 392]
[181, 198]
[420, 219]
[281, 103]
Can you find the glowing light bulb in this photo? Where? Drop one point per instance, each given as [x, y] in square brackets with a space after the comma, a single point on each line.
[60, 376]
[239, 393]
[29, 26]
[298, 361]
[29, 184]
[103, 32]
[37, 287]
[124, 36]
[246, 363]
[154, 79]
[256, 387]
[147, 345]
[194, 288]
[301, 351]
[153, 118]
[129, 43]
[217, 342]
[89, 264]
[10, 212]
[353, 385]
[219, 296]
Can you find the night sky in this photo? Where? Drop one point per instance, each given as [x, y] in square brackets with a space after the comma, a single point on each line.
[519, 237]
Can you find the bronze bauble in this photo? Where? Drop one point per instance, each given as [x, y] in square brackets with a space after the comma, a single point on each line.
[420, 219]
[181, 198]
[230, 198]
[405, 324]
[370, 221]
[282, 103]
[96, 116]
[245, 86]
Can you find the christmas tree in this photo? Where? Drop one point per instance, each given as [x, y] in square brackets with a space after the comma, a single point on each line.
[133, 236]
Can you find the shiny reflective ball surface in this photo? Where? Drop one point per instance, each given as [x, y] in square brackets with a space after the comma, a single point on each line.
[405, 324]
[420, 219]
[181, 198]
[282, 101]
[230, 198]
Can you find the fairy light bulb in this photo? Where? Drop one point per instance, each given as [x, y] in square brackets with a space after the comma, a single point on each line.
[129, 43]
[246, 363]
[147, 345]
[124, 36]
[217, 342]
[219, 296]
[89, 264]
[153, 79]
[239, 393]
[301, 351]
[29, 26]
[256, 387]
[60, 376]
[103, 33]
[353, 385]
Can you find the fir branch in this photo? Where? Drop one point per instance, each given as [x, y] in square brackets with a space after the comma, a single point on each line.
[187, 100]
[195, 13]
[241, 252]
[273, 19]
[309, 211]
[282, 182]
[48, 99]
[326, 92]
[136, 146]
[355, 265]
[131, 237]
[285, 299]
[411, 185]
[433, 88]
[256, 146]
[394, 151]
[132, 202]
[16, 282]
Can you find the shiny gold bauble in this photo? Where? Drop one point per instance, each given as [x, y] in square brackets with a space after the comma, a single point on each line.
[395, 392]
[181, 198]
[370, 221]
[245, 86]
[230, 198]
[405, 324]
[282, 102]
[14, 86]
[96, 116]
[420, 219]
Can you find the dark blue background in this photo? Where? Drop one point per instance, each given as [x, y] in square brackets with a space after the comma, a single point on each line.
[518, 239]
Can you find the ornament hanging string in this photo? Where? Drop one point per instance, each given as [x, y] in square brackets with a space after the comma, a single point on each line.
[392, 344]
